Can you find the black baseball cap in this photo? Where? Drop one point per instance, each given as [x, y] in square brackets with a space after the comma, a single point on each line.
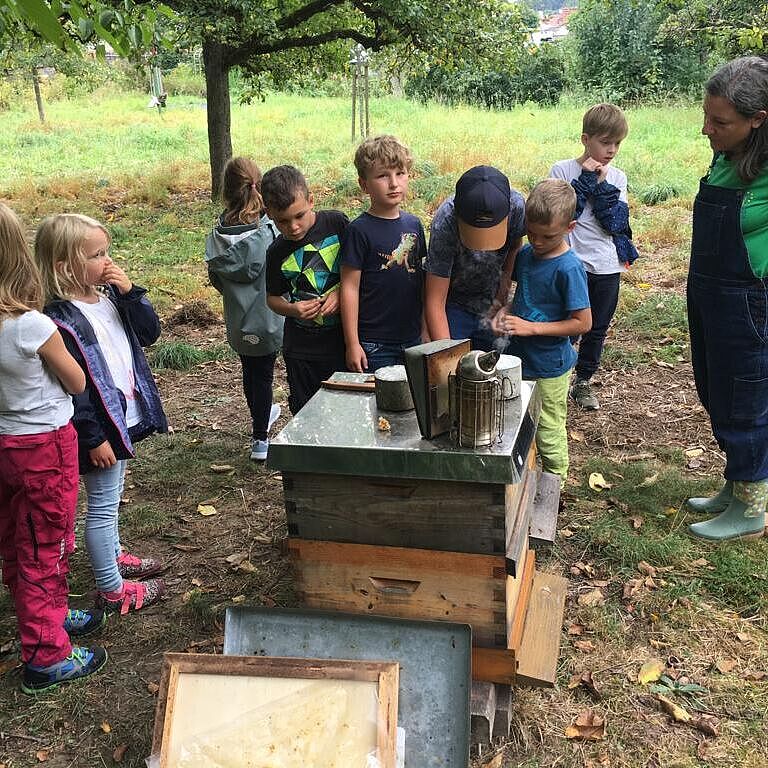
[482, 208]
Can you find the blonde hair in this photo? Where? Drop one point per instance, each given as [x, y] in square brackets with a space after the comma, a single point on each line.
[385, 149]
[551, 200]
[241, 192]
[20, 287]
[605, 120]
[60, 256]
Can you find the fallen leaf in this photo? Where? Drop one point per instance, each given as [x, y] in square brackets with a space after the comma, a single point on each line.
[238, 599]
[631, 588]
[601, 761]
[700, 563]
[702, 750]
[384, 425]
[649, 480]
[678, 713]
[575, 629]
[497, 761]
[566, 533]
[221, 468]
[591, 599]
[584, 680]
[582, 569]
[663, 363]
[9, 664]
[236, 558]
[597, 482]
[6, 646]
[707, 724]
[186, 547]
[585, 646]
[119, 752]
[636, 521]
[42, 755]
[206, 509]
[743, 637]
[651, 671]
[106, 727]
[247, 566]
[724, 666]
[755, 677]
[577, 435]
[588, 726]
[153, 688]
[658, 644]
[693, 453]
[197, 582]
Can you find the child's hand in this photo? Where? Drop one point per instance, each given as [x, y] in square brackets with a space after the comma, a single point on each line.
[590, 164]
[330, 304]
[102, 456]
[113, 275]
[356, 359]
[499, 322]
[308, 309]
[516, 326]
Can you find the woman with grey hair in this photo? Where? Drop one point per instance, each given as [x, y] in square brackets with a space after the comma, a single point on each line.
[728, 296]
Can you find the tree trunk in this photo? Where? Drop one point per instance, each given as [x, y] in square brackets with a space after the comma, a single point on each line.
[38, 95]
[219, 116]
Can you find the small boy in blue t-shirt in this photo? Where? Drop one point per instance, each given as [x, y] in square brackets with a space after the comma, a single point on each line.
[551, 304]
[381, 262]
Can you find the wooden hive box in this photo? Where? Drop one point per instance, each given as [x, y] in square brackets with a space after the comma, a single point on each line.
[477, 518]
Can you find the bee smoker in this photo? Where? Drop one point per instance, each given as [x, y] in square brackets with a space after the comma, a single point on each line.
[476, 402]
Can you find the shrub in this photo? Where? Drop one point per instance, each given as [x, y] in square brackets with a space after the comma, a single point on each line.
[658, 193]
[184, 80]
[538, 75]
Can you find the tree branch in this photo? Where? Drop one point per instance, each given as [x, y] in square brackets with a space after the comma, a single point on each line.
[252, 47]
[307, 12]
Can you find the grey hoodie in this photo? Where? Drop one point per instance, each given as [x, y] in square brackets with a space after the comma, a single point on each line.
[236, 261]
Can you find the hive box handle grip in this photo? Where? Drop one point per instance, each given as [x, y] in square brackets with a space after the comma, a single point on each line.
[394, 586]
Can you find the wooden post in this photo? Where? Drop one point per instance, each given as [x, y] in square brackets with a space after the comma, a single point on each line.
[367, 115]
[38, 95]
[354, 97]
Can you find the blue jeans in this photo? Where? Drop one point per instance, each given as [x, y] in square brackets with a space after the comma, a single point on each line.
[467, 325]
[104, 487]
[380, 354]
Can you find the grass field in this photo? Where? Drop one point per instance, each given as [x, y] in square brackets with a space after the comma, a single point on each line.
[641, 590]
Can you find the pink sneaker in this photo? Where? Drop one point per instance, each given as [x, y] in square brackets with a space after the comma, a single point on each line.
[134, 596]
[132, 567]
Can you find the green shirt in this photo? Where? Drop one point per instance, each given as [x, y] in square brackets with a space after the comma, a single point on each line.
[754, 210]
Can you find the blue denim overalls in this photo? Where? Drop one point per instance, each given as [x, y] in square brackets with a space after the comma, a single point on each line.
[728, 318]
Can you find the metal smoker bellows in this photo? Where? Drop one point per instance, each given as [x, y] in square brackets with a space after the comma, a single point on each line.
[476, 403]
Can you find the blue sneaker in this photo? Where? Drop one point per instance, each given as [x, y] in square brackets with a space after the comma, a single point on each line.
[79, 623]
[80, 663]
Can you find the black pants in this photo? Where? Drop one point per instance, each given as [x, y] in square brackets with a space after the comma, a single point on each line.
[305, 377]
[603, 298]
[258, 374]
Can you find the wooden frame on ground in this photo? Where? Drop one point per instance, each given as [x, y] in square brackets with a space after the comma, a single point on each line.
[232, 709]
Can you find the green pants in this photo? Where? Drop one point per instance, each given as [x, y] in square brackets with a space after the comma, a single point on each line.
[552, 435]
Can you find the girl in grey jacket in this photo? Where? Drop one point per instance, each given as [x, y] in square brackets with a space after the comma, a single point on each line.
[235, 253]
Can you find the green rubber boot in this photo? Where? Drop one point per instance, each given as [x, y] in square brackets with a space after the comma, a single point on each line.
[715, 504]
[743, 518]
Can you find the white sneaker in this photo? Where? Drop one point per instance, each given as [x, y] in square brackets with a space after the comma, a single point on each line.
[274, 415]
[259, 450]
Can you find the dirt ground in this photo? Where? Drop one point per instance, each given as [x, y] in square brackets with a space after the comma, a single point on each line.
[236, 556]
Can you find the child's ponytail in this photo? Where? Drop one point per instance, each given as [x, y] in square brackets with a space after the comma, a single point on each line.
[241, 191]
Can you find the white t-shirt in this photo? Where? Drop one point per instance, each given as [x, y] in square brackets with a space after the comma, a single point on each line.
[32, 400]
[116, 350]
[589, 241]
